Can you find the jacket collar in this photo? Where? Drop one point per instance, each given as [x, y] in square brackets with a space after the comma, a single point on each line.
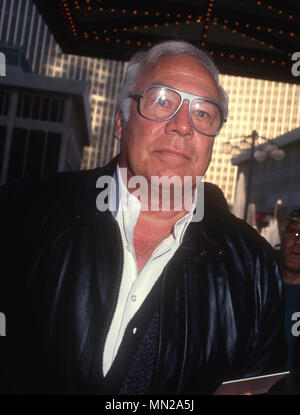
[201, 238]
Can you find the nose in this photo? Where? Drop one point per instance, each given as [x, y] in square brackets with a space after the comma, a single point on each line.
[180, 123]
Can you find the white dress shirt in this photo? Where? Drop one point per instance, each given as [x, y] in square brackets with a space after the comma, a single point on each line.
[135, 287]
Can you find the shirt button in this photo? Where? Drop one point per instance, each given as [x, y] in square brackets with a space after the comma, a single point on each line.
[134, 330]
[133, 297]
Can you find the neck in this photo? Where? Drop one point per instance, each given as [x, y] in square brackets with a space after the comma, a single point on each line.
[165, 218]
[161, 198]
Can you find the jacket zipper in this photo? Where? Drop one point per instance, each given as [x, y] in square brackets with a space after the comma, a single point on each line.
[160, 339]
[116, 300]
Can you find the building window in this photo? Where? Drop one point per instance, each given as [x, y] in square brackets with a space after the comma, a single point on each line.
[33, 153]
[38, 107]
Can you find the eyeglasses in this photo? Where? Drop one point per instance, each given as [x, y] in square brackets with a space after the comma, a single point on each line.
[161, 103]
[292, 234]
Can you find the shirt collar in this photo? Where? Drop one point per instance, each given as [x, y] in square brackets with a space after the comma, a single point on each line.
[119, 196]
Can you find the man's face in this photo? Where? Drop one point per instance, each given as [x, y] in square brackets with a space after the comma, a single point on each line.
[290, 250]
[173, 147]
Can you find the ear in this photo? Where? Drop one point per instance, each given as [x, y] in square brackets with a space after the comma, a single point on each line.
[118, 125]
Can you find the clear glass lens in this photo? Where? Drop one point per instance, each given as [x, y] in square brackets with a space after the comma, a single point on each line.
[292, 233]
[206, 116]
[161, 103]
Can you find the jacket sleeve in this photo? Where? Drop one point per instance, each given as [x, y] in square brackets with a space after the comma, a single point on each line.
[267, 350]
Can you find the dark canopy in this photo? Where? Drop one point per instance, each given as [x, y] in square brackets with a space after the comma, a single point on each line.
[248, 38]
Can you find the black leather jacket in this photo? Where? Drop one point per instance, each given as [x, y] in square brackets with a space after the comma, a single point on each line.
[220, 302]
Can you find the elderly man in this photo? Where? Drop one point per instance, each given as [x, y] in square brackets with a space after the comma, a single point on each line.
[132, 299]
[290, 267]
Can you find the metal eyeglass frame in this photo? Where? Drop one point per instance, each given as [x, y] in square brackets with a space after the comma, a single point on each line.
[292, 234]
[183, 96]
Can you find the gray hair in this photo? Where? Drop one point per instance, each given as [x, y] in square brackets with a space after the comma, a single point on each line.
[166, 48]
